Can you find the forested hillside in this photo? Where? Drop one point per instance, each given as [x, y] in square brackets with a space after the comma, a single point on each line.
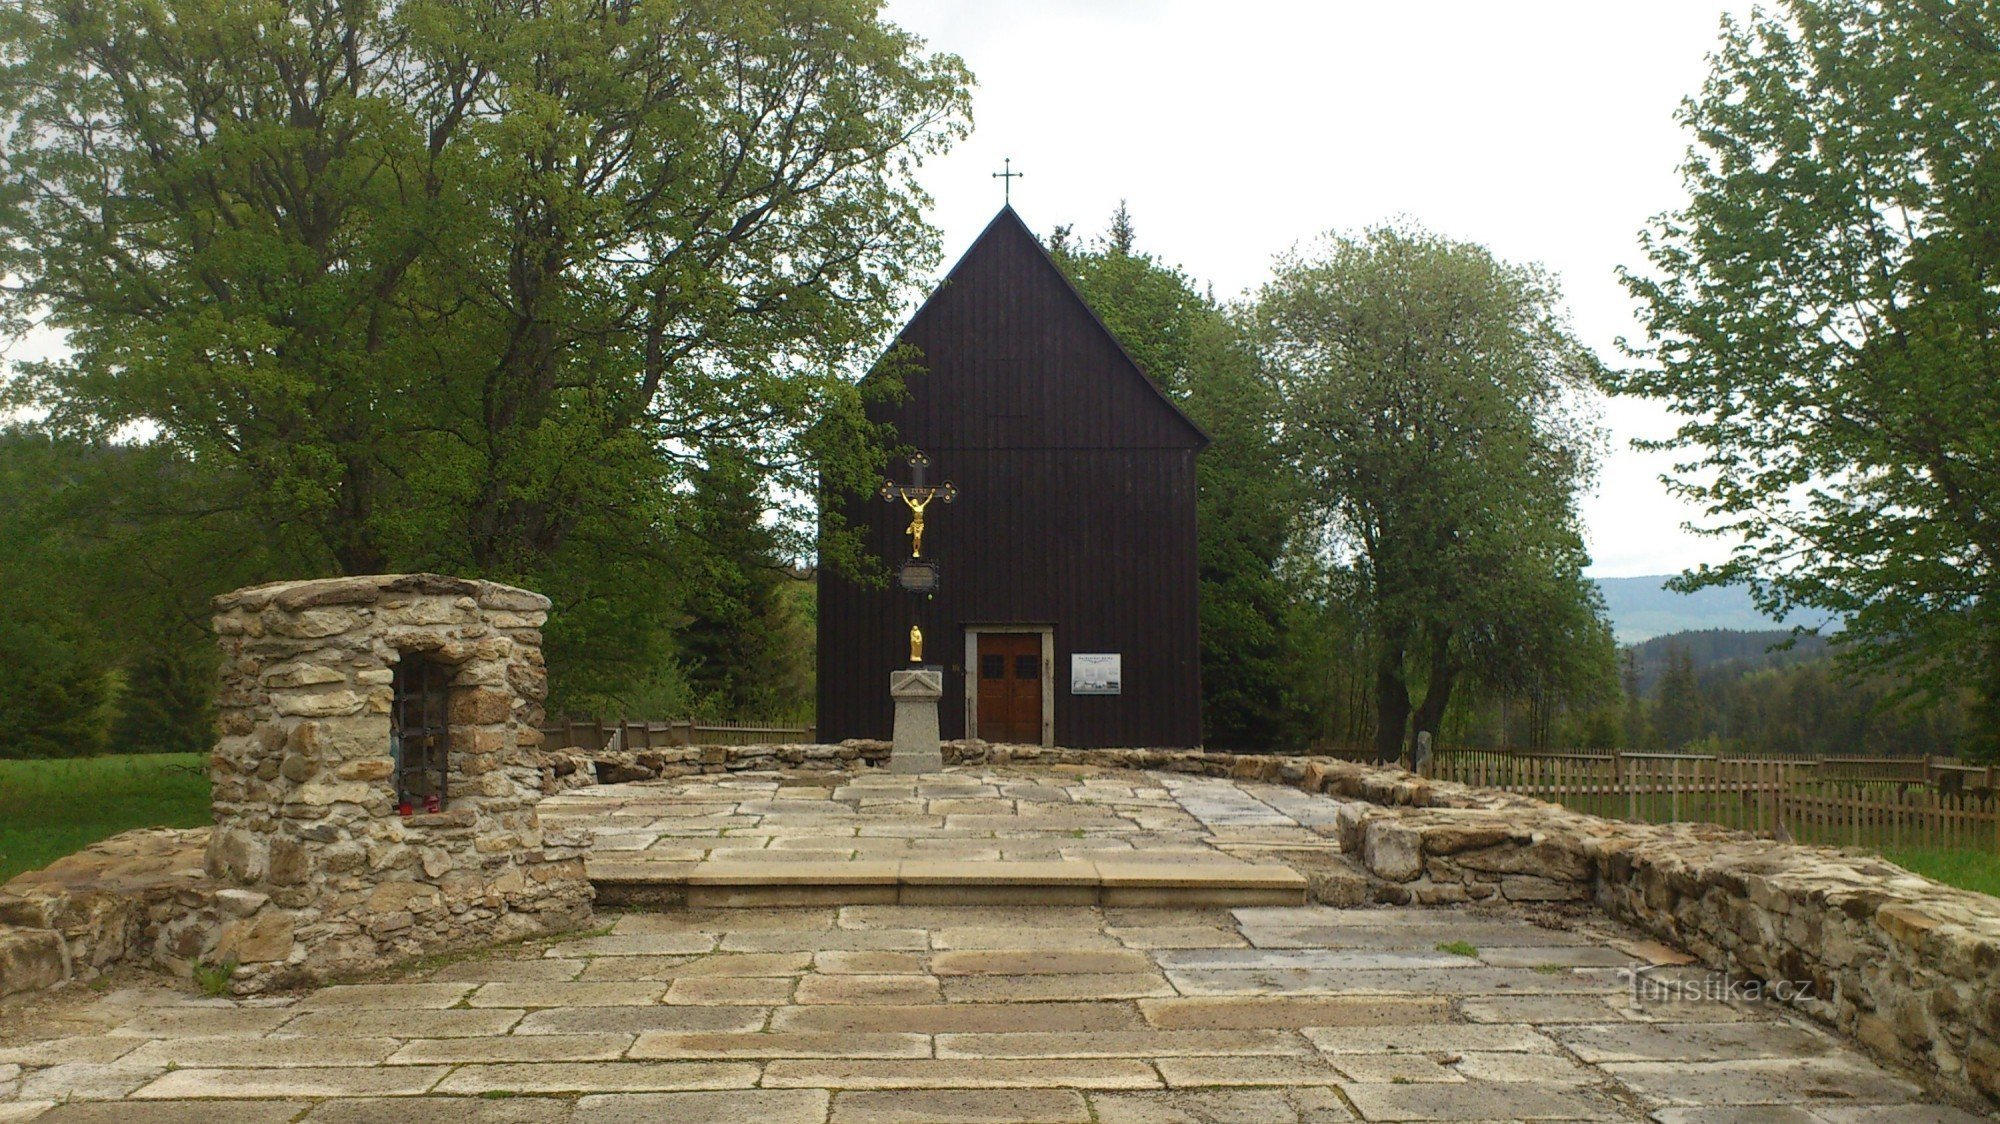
[1719, 690]
[1722, 649]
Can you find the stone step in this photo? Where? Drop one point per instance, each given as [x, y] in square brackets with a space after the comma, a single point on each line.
[624, 881]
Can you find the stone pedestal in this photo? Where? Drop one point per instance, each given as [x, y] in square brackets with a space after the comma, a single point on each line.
[914, 748]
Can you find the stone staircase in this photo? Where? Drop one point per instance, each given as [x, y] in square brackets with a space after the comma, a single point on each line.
[623, 881]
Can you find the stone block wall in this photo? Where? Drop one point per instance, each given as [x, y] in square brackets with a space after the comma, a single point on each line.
[1905, 966]
[326, 877]
[136, 897]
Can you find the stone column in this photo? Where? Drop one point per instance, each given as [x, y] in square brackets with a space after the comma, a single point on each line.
[331, 878]
[914, 748]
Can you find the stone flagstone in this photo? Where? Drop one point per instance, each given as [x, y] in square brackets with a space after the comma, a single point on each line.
[968, 1011]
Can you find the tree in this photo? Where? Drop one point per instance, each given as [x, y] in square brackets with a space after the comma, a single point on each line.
[53, 696]
[1559, 656]
[1257, 681]
[742, 648]
[1428, 398]
[470, 286]
[1635, 724]
[165, 705]
[1824, 316]
[103, 592]
[1677, 712]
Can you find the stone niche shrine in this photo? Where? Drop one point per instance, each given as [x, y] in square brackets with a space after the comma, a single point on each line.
[376, 774]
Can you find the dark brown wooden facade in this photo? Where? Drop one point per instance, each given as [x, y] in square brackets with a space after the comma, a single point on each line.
[1074, 522]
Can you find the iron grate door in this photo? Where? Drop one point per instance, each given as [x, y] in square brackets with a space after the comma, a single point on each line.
[420, 730]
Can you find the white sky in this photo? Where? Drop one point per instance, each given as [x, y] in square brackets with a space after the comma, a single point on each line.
[1542, 129]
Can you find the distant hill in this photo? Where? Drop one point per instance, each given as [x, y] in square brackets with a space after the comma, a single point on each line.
[1709, 648]
[1642, 608]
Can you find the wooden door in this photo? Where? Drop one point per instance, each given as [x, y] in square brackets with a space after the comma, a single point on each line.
[1010, 687]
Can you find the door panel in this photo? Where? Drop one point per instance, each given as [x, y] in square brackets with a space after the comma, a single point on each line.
[1010, 687]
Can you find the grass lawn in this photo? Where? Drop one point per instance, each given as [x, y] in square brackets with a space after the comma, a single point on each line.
[53, 807]
[1967, 869]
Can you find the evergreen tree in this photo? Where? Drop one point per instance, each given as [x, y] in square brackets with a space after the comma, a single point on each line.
[1120, 238]
[165, 705]
[1677, 708]
[1635, 700]
[52, 696]
[742, 647]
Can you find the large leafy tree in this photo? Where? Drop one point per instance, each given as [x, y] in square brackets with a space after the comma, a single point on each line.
[469, 286]
[1824, 316]
[1257, 679]
[1555, 652]
[1429, 397]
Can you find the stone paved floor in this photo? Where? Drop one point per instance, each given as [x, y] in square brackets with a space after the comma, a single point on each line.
[903, 1013]
[979, 815]
[863, 1013]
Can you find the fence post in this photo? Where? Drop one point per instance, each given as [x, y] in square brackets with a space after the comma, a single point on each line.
[1674, 790]
[1765, 820]
[1781, 795]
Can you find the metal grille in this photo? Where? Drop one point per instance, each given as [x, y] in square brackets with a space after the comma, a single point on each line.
[420, 734]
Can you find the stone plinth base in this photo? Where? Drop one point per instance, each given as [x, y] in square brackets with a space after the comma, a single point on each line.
[914, 747]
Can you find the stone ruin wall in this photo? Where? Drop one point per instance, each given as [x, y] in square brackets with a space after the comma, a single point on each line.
[1905, 966]
[326, 876]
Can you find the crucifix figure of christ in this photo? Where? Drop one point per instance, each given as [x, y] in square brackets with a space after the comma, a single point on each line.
[918, 495]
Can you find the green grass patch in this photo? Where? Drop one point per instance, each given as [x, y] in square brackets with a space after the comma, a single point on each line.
[213, 979]
[49, 808]
[1966, 869]
[1458, 948]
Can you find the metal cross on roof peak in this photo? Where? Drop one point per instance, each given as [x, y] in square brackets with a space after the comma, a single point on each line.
[1007, 175]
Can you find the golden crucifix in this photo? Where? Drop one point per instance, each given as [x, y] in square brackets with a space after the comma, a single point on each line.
[917, 495]
[916, 528]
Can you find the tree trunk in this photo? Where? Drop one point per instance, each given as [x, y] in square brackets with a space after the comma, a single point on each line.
[348, 534]
[1392, 705]
[1437, 694]
[1985, 740]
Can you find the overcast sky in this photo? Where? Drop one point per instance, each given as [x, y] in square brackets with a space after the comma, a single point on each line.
[1542, 129]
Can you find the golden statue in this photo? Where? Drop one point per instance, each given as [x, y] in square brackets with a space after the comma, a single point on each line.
[916, 644]
[916, 528]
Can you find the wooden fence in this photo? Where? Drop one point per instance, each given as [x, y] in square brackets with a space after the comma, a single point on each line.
[595, 734]
[1841, 801]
